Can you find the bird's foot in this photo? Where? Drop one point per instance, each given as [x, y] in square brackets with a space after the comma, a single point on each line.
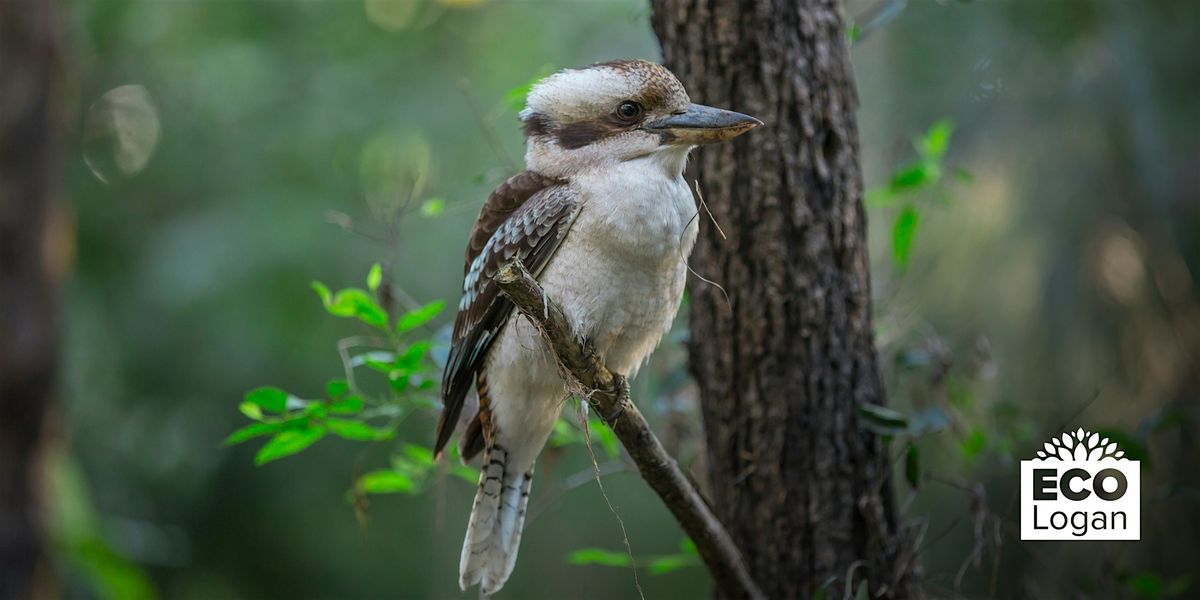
[616, 413]
[622, 386]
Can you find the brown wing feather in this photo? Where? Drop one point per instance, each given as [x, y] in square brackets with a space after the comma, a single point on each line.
[502, 202]
[531, 231]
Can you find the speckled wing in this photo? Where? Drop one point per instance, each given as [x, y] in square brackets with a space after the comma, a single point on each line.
[532, 230]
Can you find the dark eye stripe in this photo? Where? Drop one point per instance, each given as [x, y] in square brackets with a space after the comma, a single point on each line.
[536, 124]
[583, 133]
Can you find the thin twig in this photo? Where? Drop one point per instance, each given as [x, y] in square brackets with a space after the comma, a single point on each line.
[587, 441]
[572, 482]
[608, 393]
[346, 222]
[850, 578]
[489, 131]
[728, 302]
[704, 205]
[355, 341]
[700, 197]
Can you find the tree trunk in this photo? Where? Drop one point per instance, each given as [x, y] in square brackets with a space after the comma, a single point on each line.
[803, 488]
[29, 186]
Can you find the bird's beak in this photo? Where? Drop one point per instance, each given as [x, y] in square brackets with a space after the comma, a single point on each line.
[702, 125]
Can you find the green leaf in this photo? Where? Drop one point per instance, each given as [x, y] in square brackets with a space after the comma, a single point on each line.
[252, 431]
[413, 319]
[378, 356]
[352, 302]
[432, 207]
[412, 356]
[1145, 585]
[902, 235]
[316, 409]
[912, 467]
[912, 177]
[386, 481]
[336, 388]
[363, 306]
[464, 473]
[863, 592]
[852, 33]
[287, 443]
[974, 444]
[419, 455]
[350, 405]
[935, 141]
[251, 410]
[357, 430]
[880, 197]
[667, 564]
[514, 98]
[268, 398]
[687, 546]
[374, 277]
[882, 420]
[603, 434]
[564, 434]
[324, 293]
[398, 380]
[598, 556]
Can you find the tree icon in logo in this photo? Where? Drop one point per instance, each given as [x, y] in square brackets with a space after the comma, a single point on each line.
[1080, 445]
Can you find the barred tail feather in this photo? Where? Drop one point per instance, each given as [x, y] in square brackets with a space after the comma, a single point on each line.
[489, 551]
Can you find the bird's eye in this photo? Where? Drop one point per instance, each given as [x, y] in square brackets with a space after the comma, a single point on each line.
[629, 110]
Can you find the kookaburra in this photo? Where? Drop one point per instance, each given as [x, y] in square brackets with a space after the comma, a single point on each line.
[604, 220]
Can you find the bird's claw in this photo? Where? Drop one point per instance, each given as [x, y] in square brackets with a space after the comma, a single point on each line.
[622, 386]
[616, 413]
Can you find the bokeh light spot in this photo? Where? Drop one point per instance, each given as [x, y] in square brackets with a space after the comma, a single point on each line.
[120, 133]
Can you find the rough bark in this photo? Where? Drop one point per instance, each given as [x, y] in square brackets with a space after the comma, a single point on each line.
[608, 393]
[803, 488]
[29, 179]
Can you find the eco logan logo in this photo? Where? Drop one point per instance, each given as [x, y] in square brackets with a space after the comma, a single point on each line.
[1080, 487]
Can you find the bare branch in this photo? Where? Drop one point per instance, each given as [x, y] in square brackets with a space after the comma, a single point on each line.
[609, 395]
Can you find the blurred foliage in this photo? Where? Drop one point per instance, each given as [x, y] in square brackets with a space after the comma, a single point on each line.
[922, 175]
[77, 537]
[657, 565]
[227, 153]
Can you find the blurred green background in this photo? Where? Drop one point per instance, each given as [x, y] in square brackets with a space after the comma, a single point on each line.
[1050, 282]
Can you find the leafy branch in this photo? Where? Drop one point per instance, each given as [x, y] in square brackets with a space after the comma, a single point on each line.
[922, 175]
[395, 353]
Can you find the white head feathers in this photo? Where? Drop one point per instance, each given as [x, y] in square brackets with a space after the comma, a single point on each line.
[571, 116]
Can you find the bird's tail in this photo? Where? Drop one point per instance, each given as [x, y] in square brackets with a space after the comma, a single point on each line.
[497, 517]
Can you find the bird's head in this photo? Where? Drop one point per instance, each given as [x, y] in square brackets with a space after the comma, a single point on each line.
[619, 111]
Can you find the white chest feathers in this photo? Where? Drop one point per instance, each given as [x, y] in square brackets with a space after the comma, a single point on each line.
[620, 273]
